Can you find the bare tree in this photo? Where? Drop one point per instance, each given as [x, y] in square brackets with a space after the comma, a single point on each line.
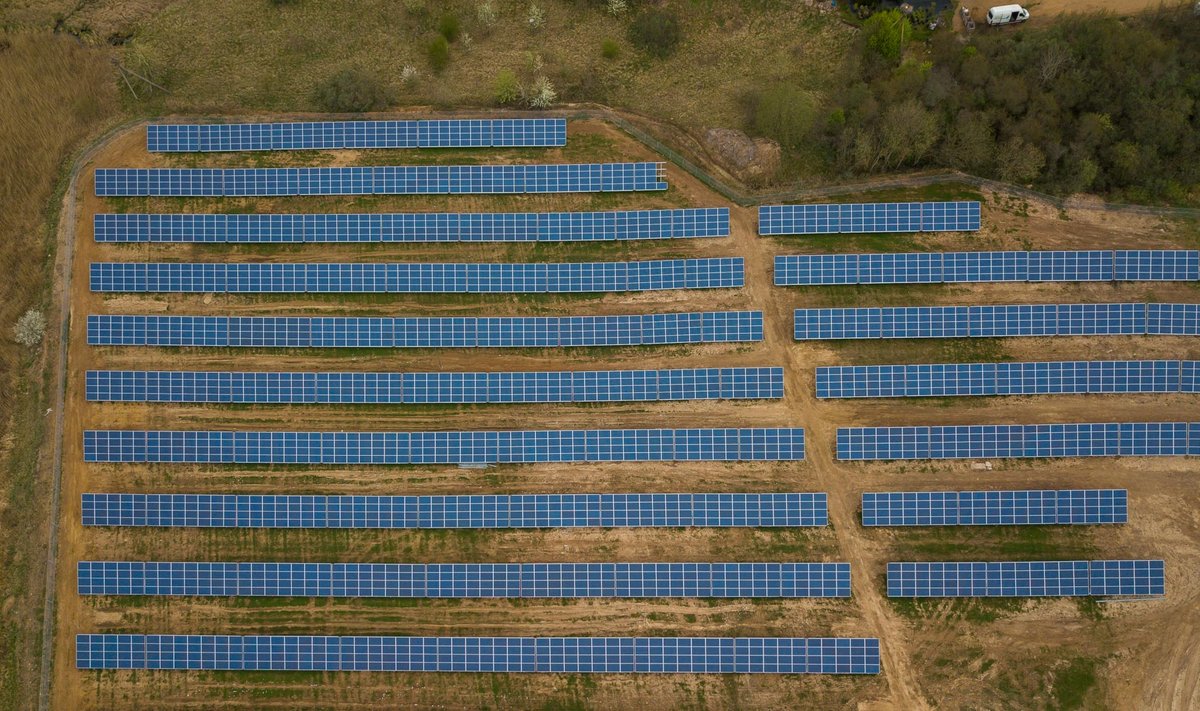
[1056, 59]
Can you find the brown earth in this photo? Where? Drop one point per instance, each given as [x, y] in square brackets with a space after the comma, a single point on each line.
[954, 654]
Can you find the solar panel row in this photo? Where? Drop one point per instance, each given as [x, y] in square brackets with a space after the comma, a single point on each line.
[995, 508]
[315, 135]
[380, 180]
[1071, 578]
[477, 447]
[425, 332]
[960, 267]
[696, 655]
[421, 277]
[868, 217]
[427, 388]
[998, 321]
[1034, 378]
[478, 511]
[683, 223]
[465, 580]
[1109, 439]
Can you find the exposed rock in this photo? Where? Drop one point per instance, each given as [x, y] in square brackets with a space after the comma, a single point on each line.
[752, 160]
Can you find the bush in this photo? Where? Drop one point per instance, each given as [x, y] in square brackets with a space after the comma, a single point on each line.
[656, 32]
[508, 89]
[784, 113]
[542, 94]
[610, 49]
[439, 53]
[30, 328]
[448, 26]
[353, 91]
[485, 15]
[536, 19]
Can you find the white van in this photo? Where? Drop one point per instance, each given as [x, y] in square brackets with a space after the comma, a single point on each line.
[1007, 14]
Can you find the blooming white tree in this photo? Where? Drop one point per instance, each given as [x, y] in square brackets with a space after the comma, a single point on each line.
[30, 328]
[542, 94]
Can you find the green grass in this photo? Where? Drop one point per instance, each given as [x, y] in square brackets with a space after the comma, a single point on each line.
[1071, 685]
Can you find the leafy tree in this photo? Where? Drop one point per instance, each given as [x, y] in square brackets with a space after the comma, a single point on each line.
[449, 26]
[656, 32]
[883, 34]
[1018, 161]
[786, 114]
[507, 89]
[353, 91]
[439, 53]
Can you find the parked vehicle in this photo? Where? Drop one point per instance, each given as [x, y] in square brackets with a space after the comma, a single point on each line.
[1007, 15]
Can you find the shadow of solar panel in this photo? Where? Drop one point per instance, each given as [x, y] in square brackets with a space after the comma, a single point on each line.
[868, 217]
[995, 508]
[1068, 578]
[746, 655]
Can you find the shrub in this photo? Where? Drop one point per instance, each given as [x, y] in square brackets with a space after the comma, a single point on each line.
[610, 49]
[449, 27]
[616, 8]
[409, 74]
[439, 53]
[508, 89]
[485, 15]
[784, 113]
[536, 19]
[542, 94]
[30, 328]
[353, 91]
[655, 32]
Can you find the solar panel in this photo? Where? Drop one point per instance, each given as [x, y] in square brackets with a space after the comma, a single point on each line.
[967, 267]
[1070, 578]
[1007, 321]
[995, 508]
[644, 655]
[425, 332]
[979, 379]
[433, 388]
[1110, 439]
[466, 580]
[380, 180]
[868, 217]
[685, 223]
[467, 511]
[315, 135]
[471, 447]
[420, 277]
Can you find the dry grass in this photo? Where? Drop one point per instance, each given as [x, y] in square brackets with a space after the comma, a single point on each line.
[53, 93]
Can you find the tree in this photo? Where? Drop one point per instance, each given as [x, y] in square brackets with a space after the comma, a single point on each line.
[907, 132]
[785, 113]
[353, 91]
[655, 32]
[970, 144]
[1018, 161]
[542, 94]
[30, 328]
[883, 35]
[439, 53]
[508, 89]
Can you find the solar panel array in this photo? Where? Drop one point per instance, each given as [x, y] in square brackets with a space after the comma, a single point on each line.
[1109, 439]
[1034, 378]
[430, 388]
[1058, 578]
[471, 447]
[959, 267]
[380, 180]
[468, 511]
[466, 580]
[868, 217]
[683, 223]
[998, 321]
[612, 655]
[314, 135]
[421, 277]
[425, 332]
[995, 508]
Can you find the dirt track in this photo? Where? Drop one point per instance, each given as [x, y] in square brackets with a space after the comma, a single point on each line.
[924, 657]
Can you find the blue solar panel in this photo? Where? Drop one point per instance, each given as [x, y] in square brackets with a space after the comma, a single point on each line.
[995, 508]
[1173, 319]
[868, 217]
[472, 447]
[992, 321]
[1111, 439]
[454, 133]
[1072, 578]
[965, 267]
[466, 580]
[429, 388]
[978, 379]
[423, 332]
[645, 655]
[380, 180]
[686, 223]
[468, 511]
[422, 277]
